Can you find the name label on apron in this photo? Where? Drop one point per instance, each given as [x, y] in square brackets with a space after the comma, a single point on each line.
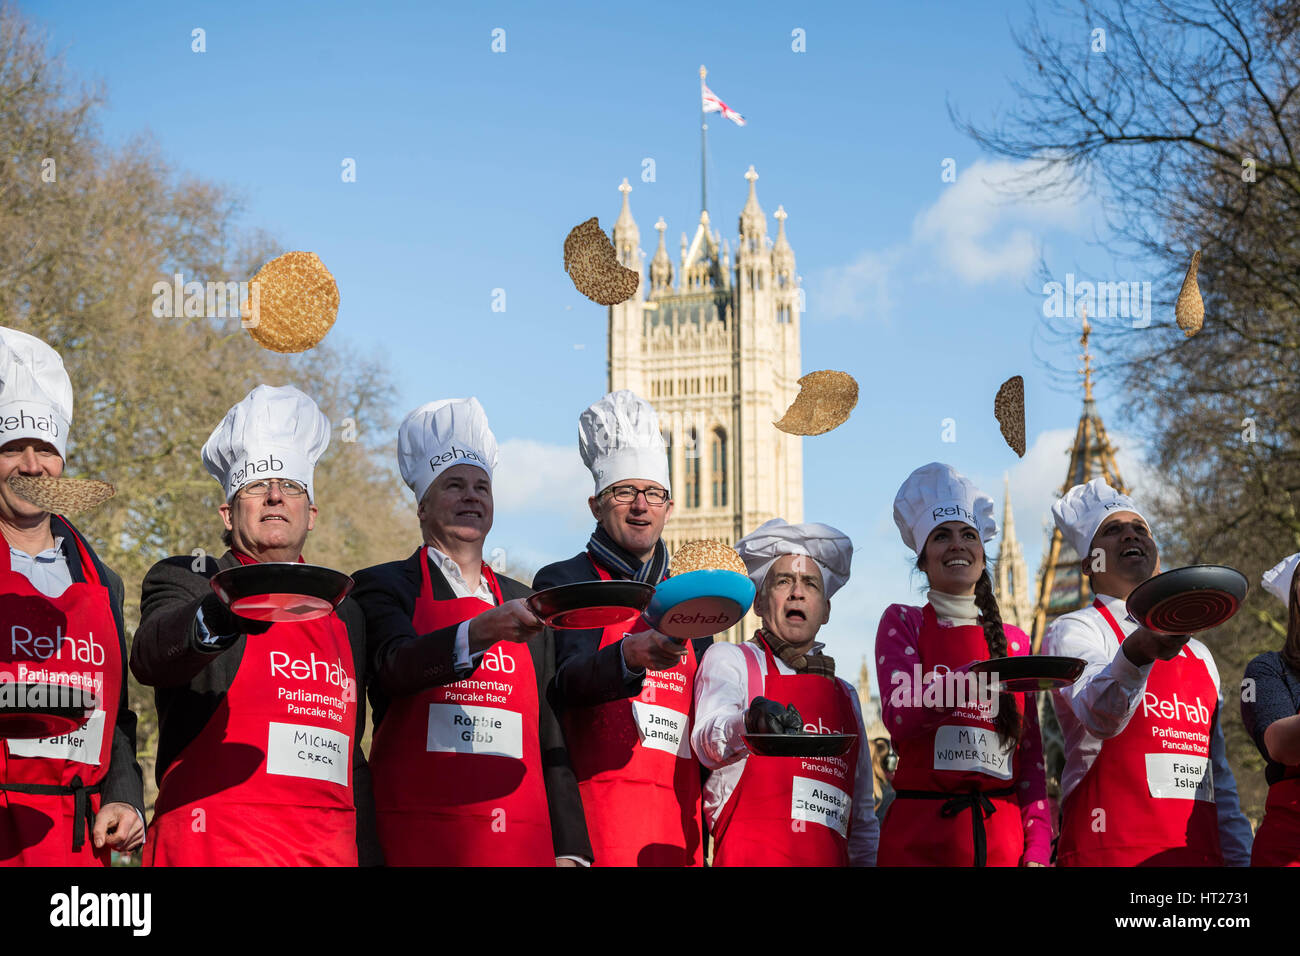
[1179, 777]
[300, 750]
[462, 729]
[820, 802]
[661, 728]
[82, 745]
[971, 748]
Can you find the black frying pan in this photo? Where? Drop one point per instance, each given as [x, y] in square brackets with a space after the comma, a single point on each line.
[30, 711]
[279, 591]
[1187, 600]
[799, 745]
[590, 604]
[1032, 673]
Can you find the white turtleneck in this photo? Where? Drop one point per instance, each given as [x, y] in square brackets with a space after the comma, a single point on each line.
[956, 609]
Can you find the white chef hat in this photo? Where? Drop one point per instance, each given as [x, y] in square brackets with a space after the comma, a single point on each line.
[1277, 579]
[1080, 512]
[936, 493]
[829, 547]
[35, 391]
[619, 438]
[275, 432]
[440, 435]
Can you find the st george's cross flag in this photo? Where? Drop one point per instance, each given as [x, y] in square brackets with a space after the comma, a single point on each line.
[714, 105]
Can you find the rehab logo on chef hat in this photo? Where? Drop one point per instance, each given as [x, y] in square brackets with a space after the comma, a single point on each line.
[440, 435]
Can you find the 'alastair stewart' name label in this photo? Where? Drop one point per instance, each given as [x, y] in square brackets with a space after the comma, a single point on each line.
[816, 801]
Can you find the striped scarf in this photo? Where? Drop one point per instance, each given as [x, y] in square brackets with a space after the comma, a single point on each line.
[621, 564]
[802, 663]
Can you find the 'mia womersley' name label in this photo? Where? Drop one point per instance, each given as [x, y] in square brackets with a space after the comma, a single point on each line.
[971, 748]
[818, 802]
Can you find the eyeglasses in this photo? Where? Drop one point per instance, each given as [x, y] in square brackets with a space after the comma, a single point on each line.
[260, 489]
[626, 494]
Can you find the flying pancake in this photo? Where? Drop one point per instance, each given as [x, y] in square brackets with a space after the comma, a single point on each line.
[62, 496]
[1009, 410]
[706, 554]
[824, 402]
[297, 301]
[1189, 310]
[593, 265]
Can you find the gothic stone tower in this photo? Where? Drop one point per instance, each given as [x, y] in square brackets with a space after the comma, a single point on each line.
[717, 353]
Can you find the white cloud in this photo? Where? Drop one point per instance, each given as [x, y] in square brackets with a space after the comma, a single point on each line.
[968, 225]
[536, 477]
[861, 289]
[976, 229]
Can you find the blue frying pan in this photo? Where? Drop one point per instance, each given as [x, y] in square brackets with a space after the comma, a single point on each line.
[699, 603]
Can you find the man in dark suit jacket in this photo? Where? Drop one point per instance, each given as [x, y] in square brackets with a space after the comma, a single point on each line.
[259, 754]
[469, 760]
[191, 672]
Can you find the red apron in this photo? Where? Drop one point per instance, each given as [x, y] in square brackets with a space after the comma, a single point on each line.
[1277, 841]
[69, 640]
[457, 769]
[639, 780]
[1148, 798]
[268, 781]
[954, 789]
[792, 811]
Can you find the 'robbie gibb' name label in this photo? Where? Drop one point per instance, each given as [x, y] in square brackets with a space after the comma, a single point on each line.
[60, 647]
[1179, 777]
[251, 469]
[24, 423]
[297, 750]
[463, 729]
[816, 801]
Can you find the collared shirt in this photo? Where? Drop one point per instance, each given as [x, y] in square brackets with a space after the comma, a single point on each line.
[1101, 702]
[721, 699]
[462, 660]
[48, 571]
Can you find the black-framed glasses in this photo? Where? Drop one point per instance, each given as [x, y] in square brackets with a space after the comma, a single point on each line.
[260, 489]
[626, 494]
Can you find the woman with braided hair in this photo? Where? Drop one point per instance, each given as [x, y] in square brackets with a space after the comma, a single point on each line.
[970, 788]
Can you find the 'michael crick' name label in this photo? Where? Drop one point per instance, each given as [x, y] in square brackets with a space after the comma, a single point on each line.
[260, 467]
[27, 422]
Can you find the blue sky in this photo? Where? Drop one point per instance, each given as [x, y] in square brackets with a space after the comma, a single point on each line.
[472, 165]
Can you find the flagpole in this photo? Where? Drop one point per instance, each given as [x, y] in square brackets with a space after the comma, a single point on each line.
[704, 131]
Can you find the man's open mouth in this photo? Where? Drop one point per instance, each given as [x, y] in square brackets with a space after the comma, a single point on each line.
[794, 614]
[1132, 552]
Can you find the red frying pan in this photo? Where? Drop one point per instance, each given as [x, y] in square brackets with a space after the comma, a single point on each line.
[591, 604]
[278, 591]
